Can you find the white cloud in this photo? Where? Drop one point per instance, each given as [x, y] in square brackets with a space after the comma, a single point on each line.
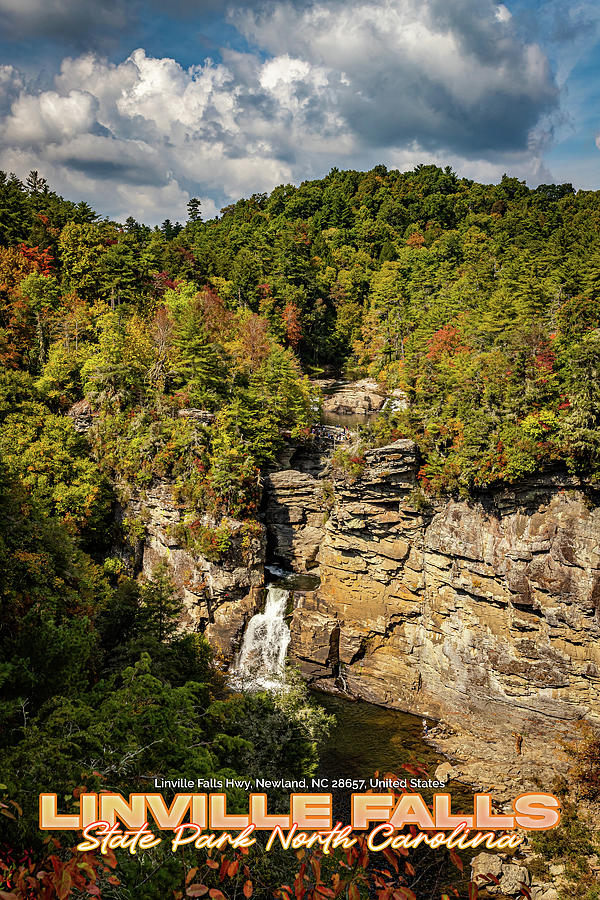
[348, 84]
[10, 87]
[443, 72]
[49, 117]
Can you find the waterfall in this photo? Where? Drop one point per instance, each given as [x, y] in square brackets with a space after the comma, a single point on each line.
[260, 664]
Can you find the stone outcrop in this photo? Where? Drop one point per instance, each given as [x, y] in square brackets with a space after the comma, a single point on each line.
[482, 613]
[294, 515]
[201, 416]
[354, 398]
[82, 416]
[485, 609]
[509, 875]
[219, 596]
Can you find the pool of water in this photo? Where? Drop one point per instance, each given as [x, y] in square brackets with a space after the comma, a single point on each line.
[292, 581]
[367, 739]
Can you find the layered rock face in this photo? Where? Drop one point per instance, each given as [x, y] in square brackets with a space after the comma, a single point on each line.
[357, 398]
[294, 518]
[487, 608]
[220, 596]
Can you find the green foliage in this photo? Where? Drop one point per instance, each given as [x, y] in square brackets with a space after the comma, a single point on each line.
[572, 843]
[48, 589]
[571, 840]
[161, 608]
[54, 464]
[349, 463]
[211, 542]
[579, 428]
[479, 301]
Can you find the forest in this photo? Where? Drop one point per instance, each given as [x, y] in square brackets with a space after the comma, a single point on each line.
[481, 303]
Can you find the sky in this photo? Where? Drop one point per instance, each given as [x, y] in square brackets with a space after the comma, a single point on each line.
[138, 105]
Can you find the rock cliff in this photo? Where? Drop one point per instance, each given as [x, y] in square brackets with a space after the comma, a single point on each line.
[294, 518]
[219, 594]
[484, 610]
[483, 613]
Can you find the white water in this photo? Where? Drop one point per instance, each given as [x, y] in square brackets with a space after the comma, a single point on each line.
[260, 664]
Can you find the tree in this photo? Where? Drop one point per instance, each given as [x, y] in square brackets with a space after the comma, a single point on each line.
[47, 589]
[201, 361]
[193, 209]
[42, 294]
[81, 247]
[118, 369]
[35, 184]
[581, 426]
[161, 607]
[233, 477]
[291, 321]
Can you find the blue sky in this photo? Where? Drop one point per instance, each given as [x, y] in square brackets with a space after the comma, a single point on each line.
[137, 105]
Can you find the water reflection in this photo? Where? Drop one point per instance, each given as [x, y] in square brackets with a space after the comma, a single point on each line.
[368, 739]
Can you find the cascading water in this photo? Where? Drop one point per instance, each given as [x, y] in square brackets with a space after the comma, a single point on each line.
[260, 664]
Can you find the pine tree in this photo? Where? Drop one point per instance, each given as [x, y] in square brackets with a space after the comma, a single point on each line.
[161, 606]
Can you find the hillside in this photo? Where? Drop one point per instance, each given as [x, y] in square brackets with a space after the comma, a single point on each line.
[155, 384]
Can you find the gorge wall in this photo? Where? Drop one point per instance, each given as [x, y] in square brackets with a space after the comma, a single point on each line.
[486, 608]
[219, 594]
[484, 613]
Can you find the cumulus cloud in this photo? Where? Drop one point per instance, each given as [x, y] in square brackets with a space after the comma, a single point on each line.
[330, 83]
[447, 73]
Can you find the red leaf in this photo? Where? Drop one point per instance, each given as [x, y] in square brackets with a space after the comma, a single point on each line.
[190, 875]
[316, 867]
[110, 859]
[196, 890]
[216, 894]
[404, 893]
[456, 860]
[391, 858]
[247, 889]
